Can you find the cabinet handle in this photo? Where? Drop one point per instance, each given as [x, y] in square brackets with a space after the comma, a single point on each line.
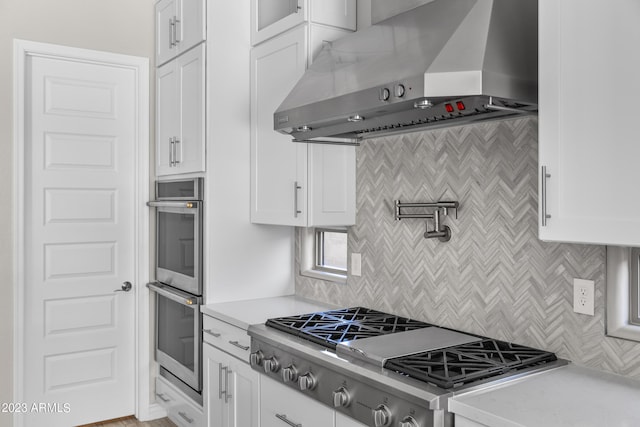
[185, 417]
[284, 418]
[171, 24]
[161, 396]
[177, 150]
[220, 392]
[296, 187]
[545, 215]
[176, 31]
[227, 396]
[171, 152]
[240, 346]
[210, 332]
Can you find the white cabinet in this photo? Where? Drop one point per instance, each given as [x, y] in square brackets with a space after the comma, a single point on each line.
[232, 390]
[180, 114]
[281, 406]
[180, 409]
[180, 25]
[272, 17]
[588, 124]
[293, 183]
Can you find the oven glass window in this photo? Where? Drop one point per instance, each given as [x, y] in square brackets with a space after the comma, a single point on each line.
[176, 325]
[176, 242]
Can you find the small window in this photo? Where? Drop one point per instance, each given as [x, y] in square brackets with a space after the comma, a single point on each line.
[623, 290]
[331, 251]
[323, 253]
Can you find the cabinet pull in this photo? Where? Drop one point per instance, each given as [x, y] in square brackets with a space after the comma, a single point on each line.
[220, 392]
[177, 150]
[171, 26]
[161, 397]
[171, 152]
[210, 332]
[240, 346]
[176, 31]
[296, 187]
[227, 396]
[545, 215]
[284, 418]
[185, 417]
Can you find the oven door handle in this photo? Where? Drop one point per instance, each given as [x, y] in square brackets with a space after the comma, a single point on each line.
[191, 204]
[173, 295]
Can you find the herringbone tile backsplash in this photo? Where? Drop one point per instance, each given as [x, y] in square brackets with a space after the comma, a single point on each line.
[494, 277]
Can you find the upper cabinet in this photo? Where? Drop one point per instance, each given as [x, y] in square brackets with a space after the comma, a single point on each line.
[180, 114]
[294, 183]
[272, 17]
[588, 143]
[180, 25]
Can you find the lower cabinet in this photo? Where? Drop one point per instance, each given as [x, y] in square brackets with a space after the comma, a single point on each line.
[231, 390]
[280, 406]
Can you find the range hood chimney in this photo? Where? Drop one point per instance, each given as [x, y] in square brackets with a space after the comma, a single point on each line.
[445, 63]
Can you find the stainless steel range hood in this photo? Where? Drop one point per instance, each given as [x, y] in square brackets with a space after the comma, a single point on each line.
[445, 63]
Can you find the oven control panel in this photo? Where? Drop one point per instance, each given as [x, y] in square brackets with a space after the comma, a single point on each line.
[369, 402]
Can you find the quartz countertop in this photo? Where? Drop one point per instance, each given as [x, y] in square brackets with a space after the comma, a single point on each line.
[569, 396]
[256, 311]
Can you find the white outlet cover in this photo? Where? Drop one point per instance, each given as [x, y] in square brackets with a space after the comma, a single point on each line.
[584, 296]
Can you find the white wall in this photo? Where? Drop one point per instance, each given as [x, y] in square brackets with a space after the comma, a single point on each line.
[121, 26]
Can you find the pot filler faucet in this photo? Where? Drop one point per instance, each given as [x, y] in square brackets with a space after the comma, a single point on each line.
[440, 210]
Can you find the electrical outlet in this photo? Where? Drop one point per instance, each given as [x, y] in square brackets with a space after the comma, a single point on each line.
[356, 264]
[583, 296]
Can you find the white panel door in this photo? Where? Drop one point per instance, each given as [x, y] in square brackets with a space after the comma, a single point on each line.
[79, 240]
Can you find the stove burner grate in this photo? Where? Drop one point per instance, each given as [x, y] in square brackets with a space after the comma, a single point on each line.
[455, 366]
[332, 327]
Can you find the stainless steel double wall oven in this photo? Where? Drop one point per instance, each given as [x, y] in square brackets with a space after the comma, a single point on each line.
[178, 286]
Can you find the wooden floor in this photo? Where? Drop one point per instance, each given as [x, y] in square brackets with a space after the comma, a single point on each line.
[132, 422]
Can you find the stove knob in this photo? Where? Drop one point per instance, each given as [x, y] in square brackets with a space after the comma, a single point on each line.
[341, 397]
[289, 374]
[255, 358]
[271, 365]
[381, 416]
[307, 381]
[408, 422]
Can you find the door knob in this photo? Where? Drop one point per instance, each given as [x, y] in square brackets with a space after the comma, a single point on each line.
[126, 287]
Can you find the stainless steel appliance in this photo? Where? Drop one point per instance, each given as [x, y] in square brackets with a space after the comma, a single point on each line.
[179, 214]
[445, 63]
[178, 349]
[382, 369]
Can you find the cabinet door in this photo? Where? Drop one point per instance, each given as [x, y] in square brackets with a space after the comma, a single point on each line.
[215, 409]
[332, 185]
[180, 25]
[279, 403]
[270, 18]
[278, 166]
[166, 13]
[244, 403]
[167, 122]
[588, 87]
[337, 13]
[190, 143]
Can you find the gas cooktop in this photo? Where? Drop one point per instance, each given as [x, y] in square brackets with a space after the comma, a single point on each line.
[376, 367]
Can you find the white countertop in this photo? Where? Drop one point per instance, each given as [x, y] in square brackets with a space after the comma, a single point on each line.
[256, 311]
[568, 396]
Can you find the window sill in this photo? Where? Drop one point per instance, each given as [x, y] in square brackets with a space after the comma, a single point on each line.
[323, 275]
[618, 282]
